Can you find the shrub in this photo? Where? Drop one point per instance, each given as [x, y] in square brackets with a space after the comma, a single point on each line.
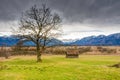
[4, 53]
[55, 51]
[106, 50]
[84, 49]
[18, 50]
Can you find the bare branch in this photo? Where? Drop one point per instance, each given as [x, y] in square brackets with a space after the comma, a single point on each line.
[38, 25]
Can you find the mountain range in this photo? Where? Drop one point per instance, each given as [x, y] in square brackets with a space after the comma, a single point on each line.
[12, 41]
[101, 40]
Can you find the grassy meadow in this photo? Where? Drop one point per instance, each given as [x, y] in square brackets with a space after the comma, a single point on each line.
[57, 67]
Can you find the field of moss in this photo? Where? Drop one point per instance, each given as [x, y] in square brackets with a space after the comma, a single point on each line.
[57, 67]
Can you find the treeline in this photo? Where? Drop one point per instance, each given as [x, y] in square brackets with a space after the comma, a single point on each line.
[56, 50]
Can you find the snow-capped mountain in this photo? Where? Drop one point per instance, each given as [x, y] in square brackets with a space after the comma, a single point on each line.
[110, 40]
[12, 40]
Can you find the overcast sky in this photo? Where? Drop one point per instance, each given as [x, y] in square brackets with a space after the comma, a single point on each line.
[80, 17]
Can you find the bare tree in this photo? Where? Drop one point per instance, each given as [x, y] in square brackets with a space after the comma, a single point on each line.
[39, 25]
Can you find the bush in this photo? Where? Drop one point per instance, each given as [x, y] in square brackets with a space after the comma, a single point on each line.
[55, 51]
[106, 50]
[21, 50]
[84, 49]
[5, 54]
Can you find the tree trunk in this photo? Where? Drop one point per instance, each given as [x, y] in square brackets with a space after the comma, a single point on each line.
[38, 53]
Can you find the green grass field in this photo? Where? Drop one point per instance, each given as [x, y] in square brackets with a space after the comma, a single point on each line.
[86, 67]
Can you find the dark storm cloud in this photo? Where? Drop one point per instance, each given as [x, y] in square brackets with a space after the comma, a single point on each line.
[12, 9]
[105, 12]
[90, 11]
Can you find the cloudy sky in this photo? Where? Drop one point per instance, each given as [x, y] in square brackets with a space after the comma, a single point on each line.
[80, 17]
